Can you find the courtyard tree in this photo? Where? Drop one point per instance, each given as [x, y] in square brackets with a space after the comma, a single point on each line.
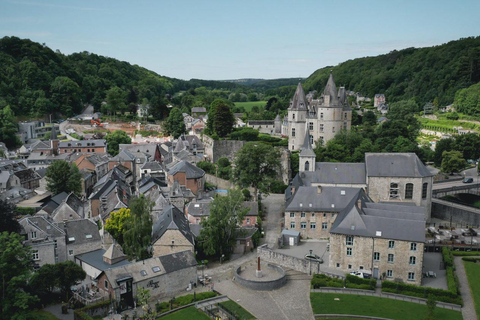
[7, 218]
[137, 237]
[115, 225]
[63, 177]
[68, 274]
[257, 165]
[15, 272]
[217, 237]
[452, 161]
[175, 125]
[116, 138]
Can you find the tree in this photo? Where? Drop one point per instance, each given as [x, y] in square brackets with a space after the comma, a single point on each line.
[256, 165]
[138, 235]
[68, 274]
[175, 125]
[217, 237]
[143, 297]
[223, 120]
[441, 146]
[206, 166]
[224, 169]
[15, 272]
[115, 225]
[44, 282]
[116, 138]
[116, 100]
[369, 118]
[65, 95]
[8, 128]
[62, 177]
[8, 222]
[452, 161]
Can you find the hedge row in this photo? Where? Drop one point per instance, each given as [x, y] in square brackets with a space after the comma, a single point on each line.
[470, 259]
[453, 283]
[351, 282]
[466, 253]
[80, 314]
[183, 300]
[421, 292]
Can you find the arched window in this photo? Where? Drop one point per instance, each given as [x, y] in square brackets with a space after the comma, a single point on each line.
[307, 165]
[393, 190]
[293, 132]
[424, 190]
[409, 191]
[293, 115]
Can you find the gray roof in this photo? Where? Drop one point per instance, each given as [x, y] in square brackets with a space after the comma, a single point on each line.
[146, 148]
[42, 224]
[123, 155]
[307, 150]
[388, 221]
[82, 231]
[95, 259]
[199, 208]
[291, 233]
[191, 171]
[196, 229]
[83, 143]
[299, 101]
[395, 165]
[331, 89]
[172, 219]
[330, 199]
[199, 109]
[153, 165]
[252, 208]
[335, 173]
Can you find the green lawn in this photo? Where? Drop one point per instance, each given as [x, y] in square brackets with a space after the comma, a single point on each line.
[473, 274]
[41, 315]
[187, 313]
[249, 105]
[324, 303]
[237, 310]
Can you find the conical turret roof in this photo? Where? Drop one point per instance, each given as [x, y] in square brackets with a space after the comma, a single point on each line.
[331, 88]
[299, 101]
[307, 150]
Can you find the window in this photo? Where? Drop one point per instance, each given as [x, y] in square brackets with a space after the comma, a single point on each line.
[321, 115]
[311, 139]
[310, 126]
[345, 116]
[391, 258]
[292, 225]
[376, 256]
[321, 127]
[389, 274]
[411, 276]
[413, 246]
[324, 215]
[424, 190]
[303, 225]
[293, 115]
[33, 234]
[292, 214]
[413, 260]
[349, 251]
[409, 191]
[293, 132]
[313, 225]
[338, 265]
[302, 215]
[349, 266]
[313, 215]
[248, 220]
[70, 252]
[307, 164]
[35, 254]
[106, 284]
[324, 226]
[391, 244]
[333, 129]
[349, 241]
[393, 190]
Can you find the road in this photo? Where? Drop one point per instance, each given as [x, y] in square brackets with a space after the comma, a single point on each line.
[466, 173]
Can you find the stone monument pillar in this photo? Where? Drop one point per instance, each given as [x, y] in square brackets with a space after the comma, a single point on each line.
[258, 272]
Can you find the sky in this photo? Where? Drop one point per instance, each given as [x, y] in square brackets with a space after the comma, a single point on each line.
[220, 40]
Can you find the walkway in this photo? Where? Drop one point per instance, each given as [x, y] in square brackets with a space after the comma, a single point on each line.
[468, 310]
[390, 296]
[204, 304]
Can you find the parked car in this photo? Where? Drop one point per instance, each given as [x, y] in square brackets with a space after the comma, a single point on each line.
[468, 180]
[361, 274]
[313, 257]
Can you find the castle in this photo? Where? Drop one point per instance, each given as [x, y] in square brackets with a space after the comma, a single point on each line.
[322, 118]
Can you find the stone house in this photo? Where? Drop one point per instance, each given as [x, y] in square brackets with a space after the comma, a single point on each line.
[71, 208]
[93, 162]
[81, 236]
[171, 233]
[96, 261]
[379, 99]
[198, 111]
[84, 146]
[188, 176]
[164, 276]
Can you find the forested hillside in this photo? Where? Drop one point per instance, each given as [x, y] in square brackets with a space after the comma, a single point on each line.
[423, 74]
[34, 80]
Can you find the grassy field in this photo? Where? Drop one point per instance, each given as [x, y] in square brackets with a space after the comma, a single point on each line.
[249, 105]
[473, 275]
[237, 310]
[324, 303]
[187, 313]
[445, 125]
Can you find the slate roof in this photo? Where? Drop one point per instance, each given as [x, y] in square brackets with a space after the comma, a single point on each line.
[153, 166]
[299, 101]
[123, 155]
[336, 173]
[145, 148]
[114, 252]
[191, 171]
[331, 199]
[331, 89]
[80, 231]
[95, 259]
[43, 225]
[307, 150]
[199, 109]
[83, 143]
[172, 219]
[389, 221]
[395, 165]
[252, 208]
[199, 208]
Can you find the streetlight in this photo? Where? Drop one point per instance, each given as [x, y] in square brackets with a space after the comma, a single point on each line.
[311, 251]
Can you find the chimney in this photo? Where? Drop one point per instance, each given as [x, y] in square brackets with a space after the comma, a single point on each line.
[319, 189]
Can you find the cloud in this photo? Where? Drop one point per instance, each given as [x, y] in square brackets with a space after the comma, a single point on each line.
[51, 5]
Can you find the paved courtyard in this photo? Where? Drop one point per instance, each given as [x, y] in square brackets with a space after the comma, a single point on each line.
[432, 261]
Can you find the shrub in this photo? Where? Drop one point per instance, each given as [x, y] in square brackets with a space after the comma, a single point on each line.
[183, 300]
[277, 186]
[246, 194]
[421, 292]
[447, 257]
[321, 280]
[245, 134]
[466, 253]
[360, 283]
[206, 166]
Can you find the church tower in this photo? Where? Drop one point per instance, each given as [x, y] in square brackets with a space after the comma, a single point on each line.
[297, 117]
[307, 156]
[54, 141]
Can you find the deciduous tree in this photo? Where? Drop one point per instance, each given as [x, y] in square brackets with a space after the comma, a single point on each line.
[256, 165]
[116, 224]
[175, 125]
[452, 161]
[138, 235]
[217, 237]
[114, 139]
[62, 177]
[8, 222]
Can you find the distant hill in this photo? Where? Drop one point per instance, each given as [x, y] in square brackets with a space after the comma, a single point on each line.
[263, 85]
[423, 73]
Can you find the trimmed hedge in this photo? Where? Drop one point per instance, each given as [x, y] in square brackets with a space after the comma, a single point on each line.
[80, 314]
[321, 280]
[466, 253]
[351, 282]
[470, 259]
[183, 300]
[452, 280]
[421, 292]
[360, 283]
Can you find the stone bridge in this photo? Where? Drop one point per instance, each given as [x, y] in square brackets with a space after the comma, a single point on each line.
[473, 188]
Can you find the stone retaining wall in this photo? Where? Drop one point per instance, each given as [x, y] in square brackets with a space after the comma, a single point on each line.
[262, 285]
[445, 210]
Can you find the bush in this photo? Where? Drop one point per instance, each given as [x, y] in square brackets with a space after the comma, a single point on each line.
[206, 166]
[470, 259]
[245, 134]
[452, 280]
[277, 186]
[321, 280]
[183, 300]
[355, 282]
[447, 257]
[246, 194]
[465, 253]
[421, 292]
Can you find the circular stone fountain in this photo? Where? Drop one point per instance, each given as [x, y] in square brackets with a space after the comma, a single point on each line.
[260, 276]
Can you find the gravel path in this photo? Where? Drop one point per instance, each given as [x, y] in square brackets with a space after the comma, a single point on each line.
[468, 310]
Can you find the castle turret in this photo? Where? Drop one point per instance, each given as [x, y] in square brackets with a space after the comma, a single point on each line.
[278, 124]
[307, 156]
[297, 116]
[54, 141]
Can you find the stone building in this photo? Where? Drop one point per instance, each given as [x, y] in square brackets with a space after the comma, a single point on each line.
[319, 119]
[85, 146]
[187, 175]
